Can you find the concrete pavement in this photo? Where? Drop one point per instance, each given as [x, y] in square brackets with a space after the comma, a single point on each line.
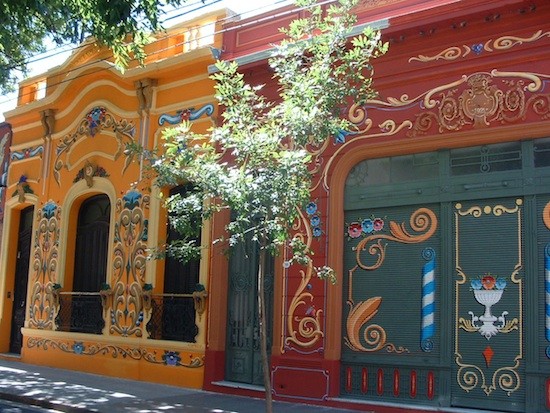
[76, 392]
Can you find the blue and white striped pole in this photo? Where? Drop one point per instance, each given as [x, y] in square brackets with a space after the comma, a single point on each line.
[428, 300]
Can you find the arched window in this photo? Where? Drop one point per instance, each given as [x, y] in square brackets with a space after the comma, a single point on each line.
[81, 311]
[173, 315]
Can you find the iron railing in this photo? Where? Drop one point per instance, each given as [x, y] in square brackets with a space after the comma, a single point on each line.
[172, 318]
[80, 312]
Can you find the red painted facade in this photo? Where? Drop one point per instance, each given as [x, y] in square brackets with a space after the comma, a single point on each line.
[457, 74]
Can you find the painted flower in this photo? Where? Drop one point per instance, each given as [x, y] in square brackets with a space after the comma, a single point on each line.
[477, 48]
[476, 284]
[315, 220]
[488, 282]
[317, 232]
[78, 347]
[354, 230]
[367, 225]
[171, 358]
[311, 208]
[378, 224]
[500, 284]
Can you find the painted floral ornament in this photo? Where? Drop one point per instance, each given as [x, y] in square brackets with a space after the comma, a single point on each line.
[488, 291]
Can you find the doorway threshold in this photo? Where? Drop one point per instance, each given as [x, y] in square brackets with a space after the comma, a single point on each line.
[10, 356]
[237, 385]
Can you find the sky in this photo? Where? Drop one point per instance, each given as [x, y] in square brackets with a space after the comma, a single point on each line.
[55, 56]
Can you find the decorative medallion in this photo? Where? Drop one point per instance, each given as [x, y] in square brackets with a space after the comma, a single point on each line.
[95, 121]
[88, 172]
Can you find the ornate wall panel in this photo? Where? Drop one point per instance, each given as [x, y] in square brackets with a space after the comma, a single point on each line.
[45, 254]
[130, 255]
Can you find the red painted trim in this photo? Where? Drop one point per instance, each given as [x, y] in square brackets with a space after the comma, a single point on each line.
[547, 391]
[396, 382]
[364, 380]
[412, 390]
[430, 389]
[380, 382]
[348, 379]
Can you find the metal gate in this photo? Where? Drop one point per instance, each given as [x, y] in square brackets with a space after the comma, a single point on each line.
[447, 264]
[243, 358]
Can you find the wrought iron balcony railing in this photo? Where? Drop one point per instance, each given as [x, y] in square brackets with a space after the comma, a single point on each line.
[80, 312]
[173, 317]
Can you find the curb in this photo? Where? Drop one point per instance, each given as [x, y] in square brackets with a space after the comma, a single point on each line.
[47, 404]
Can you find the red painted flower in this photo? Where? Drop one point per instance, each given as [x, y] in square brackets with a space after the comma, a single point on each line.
[354, 230]
[378, 224]
[488, 282]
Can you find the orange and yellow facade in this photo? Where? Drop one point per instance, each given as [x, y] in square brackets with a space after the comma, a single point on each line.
[434, 210]
[69, 147]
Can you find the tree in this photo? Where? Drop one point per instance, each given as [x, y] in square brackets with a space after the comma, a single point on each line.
[122, 25]
[256, 163]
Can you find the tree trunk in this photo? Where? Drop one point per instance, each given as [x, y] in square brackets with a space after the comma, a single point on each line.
[263, 331]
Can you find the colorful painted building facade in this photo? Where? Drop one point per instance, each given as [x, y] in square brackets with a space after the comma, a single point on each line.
[434, 210]
[83, 213]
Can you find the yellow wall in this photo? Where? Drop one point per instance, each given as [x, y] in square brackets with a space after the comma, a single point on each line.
[128, 108]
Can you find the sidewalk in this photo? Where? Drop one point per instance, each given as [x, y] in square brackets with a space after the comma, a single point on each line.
[75, 392]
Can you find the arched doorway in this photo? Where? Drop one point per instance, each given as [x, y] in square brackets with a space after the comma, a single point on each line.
[90, 264]
[445, 260]
[21, 279]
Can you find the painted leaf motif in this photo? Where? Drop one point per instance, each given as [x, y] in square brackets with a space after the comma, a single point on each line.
[358, 316]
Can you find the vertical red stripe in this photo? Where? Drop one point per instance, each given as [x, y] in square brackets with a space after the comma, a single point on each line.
[380, 382]
[364, 380]
[348, 379]
[547, 393]
[412, 390]
[430, 389]
[396, 382]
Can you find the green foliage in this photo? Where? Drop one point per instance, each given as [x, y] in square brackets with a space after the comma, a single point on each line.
[122, 25]
[257, 163]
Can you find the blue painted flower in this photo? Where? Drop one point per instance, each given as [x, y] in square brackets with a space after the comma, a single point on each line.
[311, 208]
[477, 48]
[78, 347]
[500, 284]
[22, 179]
[317, 232]
[49, 209]
[341, 136]
[131, 199]
[367, 225]
[476, 284]
[171, 358]
[315, 220]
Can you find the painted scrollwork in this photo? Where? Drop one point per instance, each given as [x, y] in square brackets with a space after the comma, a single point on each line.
[423, 222]
[483, 102]
[470, 376]
[129, 261]
[168, 358]
[502, 43]
[43, 303]
[96, 120]
[303, 331]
